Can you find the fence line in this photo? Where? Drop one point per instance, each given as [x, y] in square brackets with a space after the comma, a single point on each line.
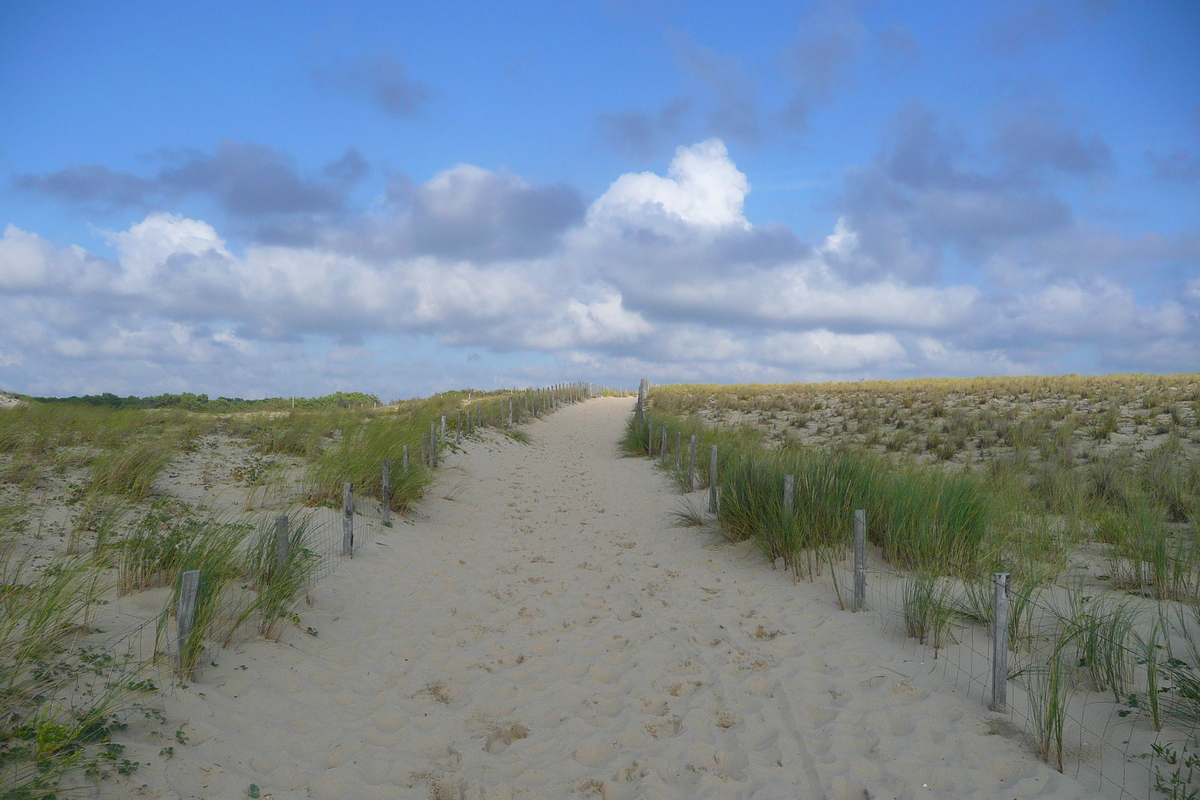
[148, 644]
[1106, 743]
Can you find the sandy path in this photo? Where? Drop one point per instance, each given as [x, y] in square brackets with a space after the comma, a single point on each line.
[538, 630]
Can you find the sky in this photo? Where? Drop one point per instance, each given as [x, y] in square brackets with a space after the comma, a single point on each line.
[274, 199]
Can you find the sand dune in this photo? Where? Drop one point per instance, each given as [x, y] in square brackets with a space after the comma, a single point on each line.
[537, 629]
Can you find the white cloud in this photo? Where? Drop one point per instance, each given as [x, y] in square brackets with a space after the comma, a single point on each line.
[146, 247]
[662, 276]
[703, 188]
[28, 263]
[826, 351]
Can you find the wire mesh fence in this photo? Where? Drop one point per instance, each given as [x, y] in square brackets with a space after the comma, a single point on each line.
[1101, 684]
[129, 643]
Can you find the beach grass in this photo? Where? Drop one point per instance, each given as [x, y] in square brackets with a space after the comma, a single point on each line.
[1037, 477]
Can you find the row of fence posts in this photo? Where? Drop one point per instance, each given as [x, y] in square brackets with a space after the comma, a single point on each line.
[1000, 580]
[533, 403]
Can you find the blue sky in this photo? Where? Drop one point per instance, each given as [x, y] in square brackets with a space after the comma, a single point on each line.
[257, 199]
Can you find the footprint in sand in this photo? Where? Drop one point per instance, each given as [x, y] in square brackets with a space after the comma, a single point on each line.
[503, 736]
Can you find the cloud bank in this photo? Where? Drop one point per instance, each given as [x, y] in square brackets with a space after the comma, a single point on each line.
[662, 276]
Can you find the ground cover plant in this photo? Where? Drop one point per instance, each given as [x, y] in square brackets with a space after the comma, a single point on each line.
[94, 506]
[1085, 489]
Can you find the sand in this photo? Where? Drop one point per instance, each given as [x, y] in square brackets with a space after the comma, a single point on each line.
[538, 629]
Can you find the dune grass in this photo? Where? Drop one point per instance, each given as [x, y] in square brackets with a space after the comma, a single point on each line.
[963, 478]
[922, 518]
[47, 731]
[60, 701]
[279, 579]
[929, 609]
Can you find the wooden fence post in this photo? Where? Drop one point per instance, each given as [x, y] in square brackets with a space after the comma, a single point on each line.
[405, 466]
[678, 451]
[1000, 642]
[712, 479]
[348, 519]
[283, 545]
[860, 560]
[691, 473]
[386, 492]
[458, 429]
[649, 436]
[789, 493]
[443, 430]
[641, 401]
[433, 445]
[662, 448]
[185, 611]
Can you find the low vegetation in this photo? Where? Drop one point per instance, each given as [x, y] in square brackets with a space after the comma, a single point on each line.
[1085, 489]
[87, 514]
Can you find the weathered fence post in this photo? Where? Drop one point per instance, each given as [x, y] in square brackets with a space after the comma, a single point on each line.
[678, 451]
[712, 479]
[1000, 642]
[789, 493]
[662, 449]
[860, 560]
[443, 429]
[643, 388]
[424, 449]
[386, 492]
[405, 459]
[649, 436]
[282, 543]
[510, 419]
[348, 519]
[691, 474]
[433, 445]
[185, 611]
[458, 429]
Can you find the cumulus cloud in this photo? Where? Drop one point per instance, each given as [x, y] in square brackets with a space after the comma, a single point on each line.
[641, 134]
[734, 112]
[702, 190]
[661, 275]
[925, 199]
[469, 212]
[247, 180]
[381, 81]
[818, 59]
[1036, 139]
[33, 265]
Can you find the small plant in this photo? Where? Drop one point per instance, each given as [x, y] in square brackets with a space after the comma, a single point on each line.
[686, 515]
[1101, 631]
[279, 580]
[1049, 688]
[1151, 658]
[1183, 781]
[928, 610]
